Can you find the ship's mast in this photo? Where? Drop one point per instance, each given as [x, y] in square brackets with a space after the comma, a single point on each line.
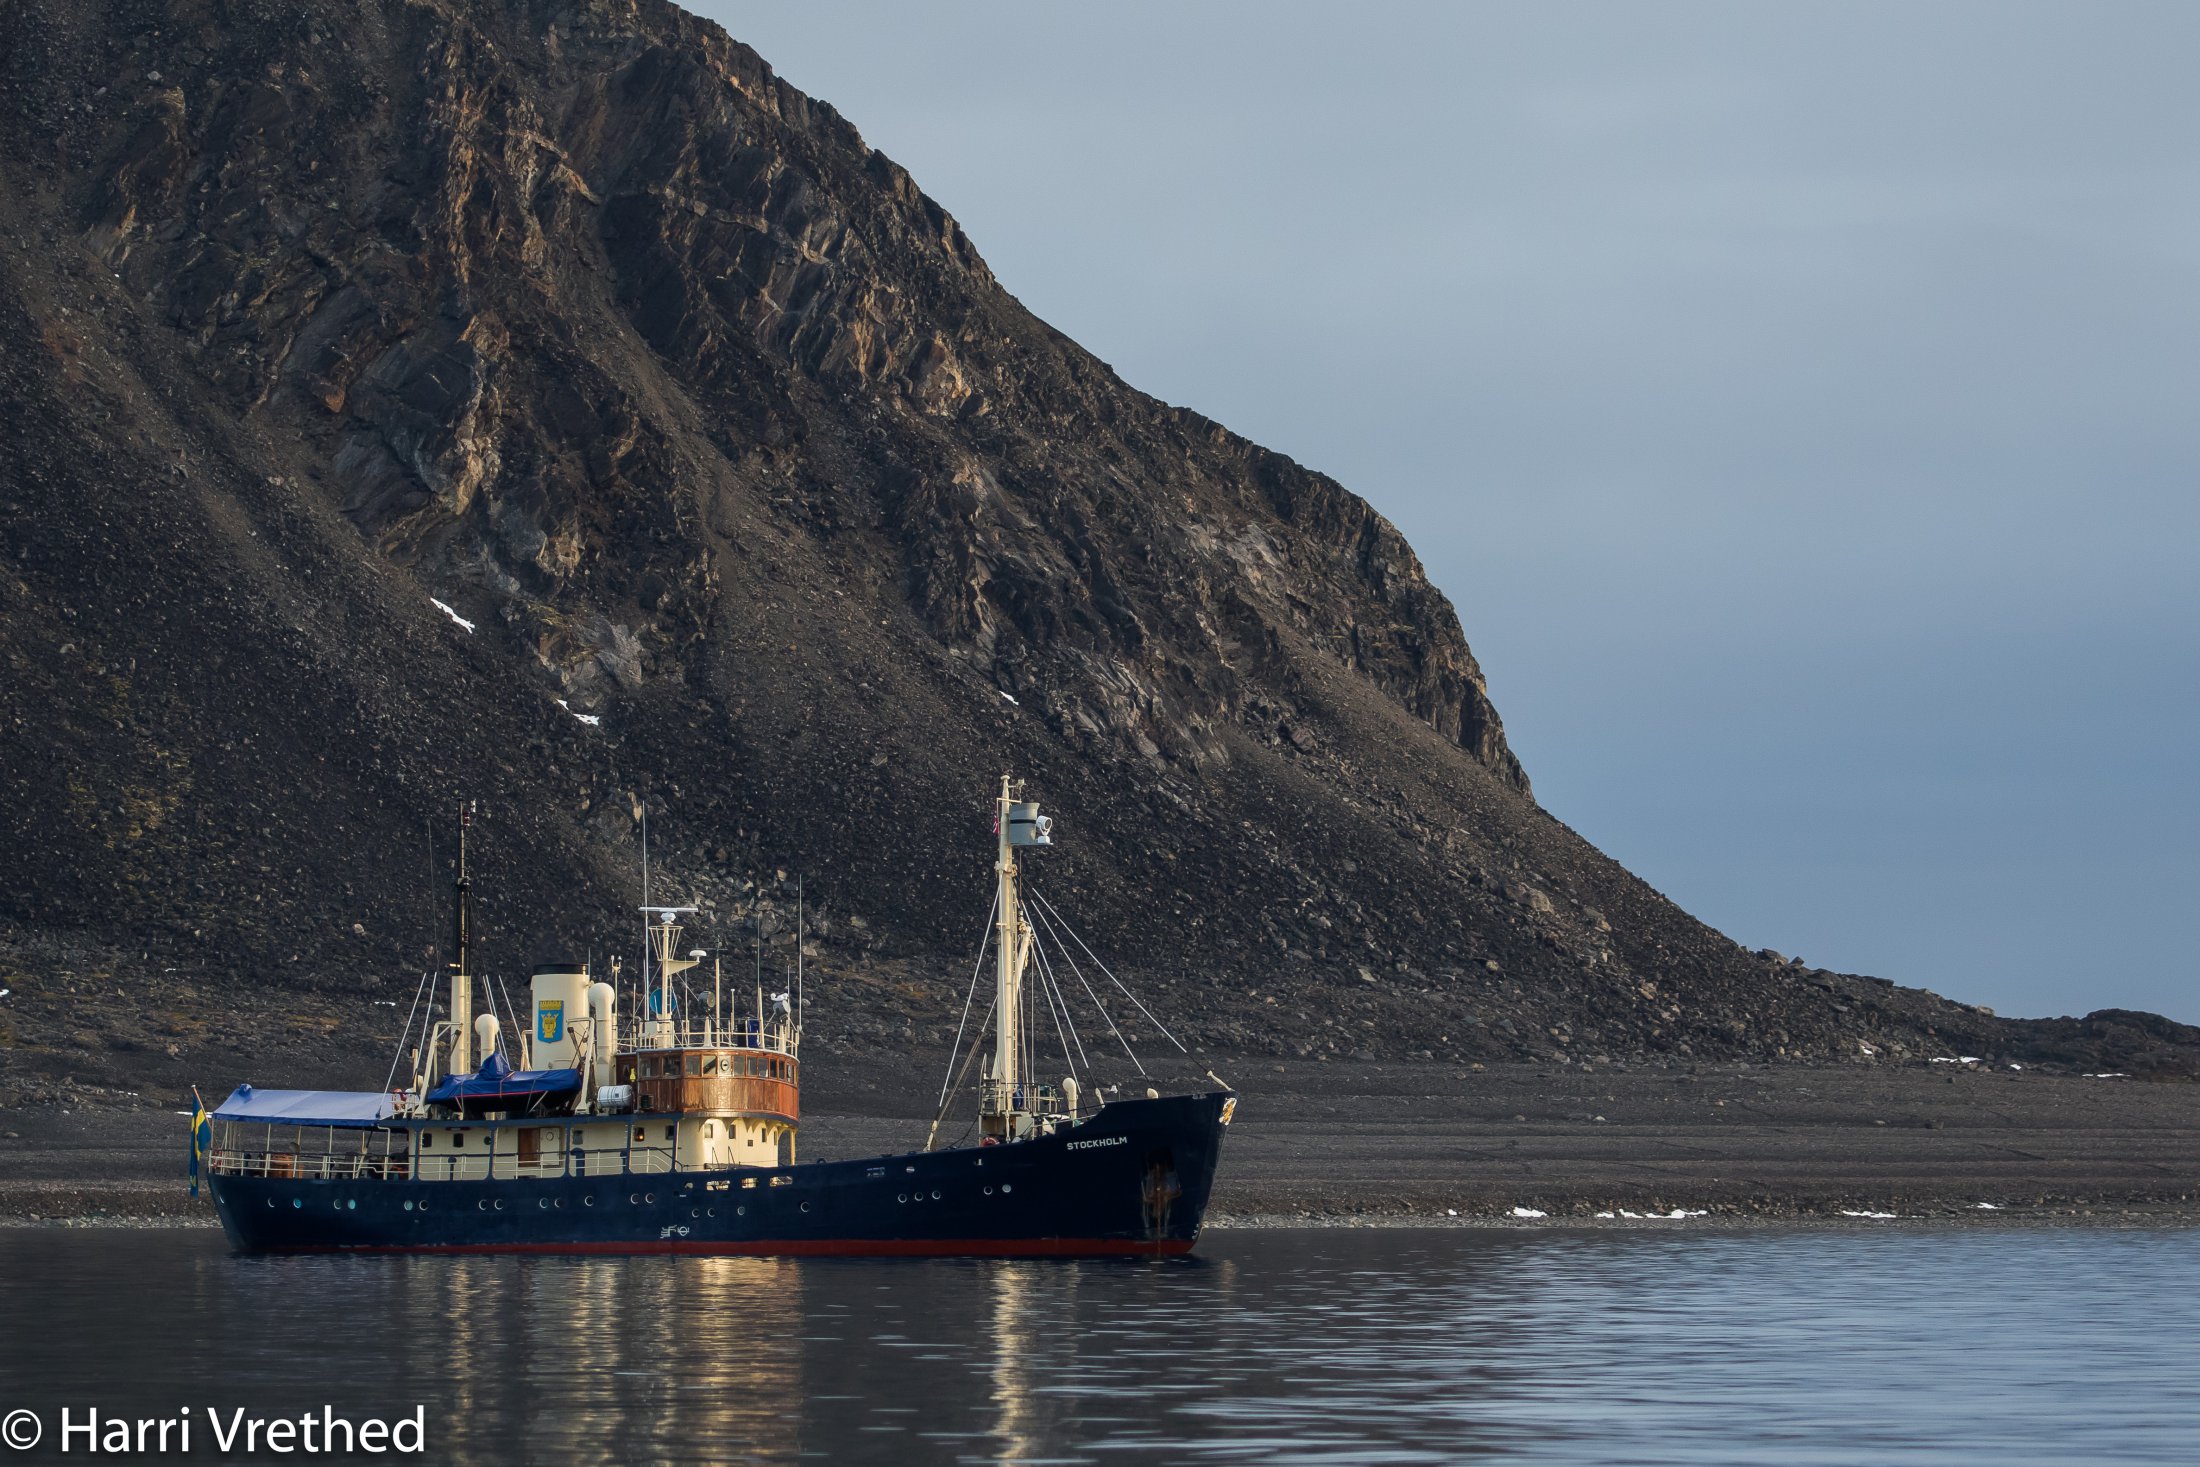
[661, 1028]
[462, 981]
[1008, 969]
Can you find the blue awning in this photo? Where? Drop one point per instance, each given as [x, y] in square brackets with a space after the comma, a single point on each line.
[497, 1080]
[353, 1108]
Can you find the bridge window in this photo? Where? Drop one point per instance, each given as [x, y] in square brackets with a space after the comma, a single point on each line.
[695, 1064]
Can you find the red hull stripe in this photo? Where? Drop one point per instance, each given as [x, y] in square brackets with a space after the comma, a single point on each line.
[810, 1247]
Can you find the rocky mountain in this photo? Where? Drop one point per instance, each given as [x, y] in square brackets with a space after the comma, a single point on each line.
[541, 401]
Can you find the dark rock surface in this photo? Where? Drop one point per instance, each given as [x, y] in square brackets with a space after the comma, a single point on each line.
[769, 510]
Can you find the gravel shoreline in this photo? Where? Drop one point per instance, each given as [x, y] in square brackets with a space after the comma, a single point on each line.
[1435, 1145]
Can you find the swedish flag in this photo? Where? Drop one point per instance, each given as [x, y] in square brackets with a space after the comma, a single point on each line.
[202, 1137]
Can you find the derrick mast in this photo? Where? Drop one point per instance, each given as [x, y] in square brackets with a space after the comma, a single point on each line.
[1009, 1096]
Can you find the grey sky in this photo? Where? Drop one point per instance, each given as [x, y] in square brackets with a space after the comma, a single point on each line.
[1799, 403]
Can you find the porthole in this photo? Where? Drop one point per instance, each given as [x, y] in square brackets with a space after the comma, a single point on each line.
[352, 1205]
[481, 1204]
[270, 1202]
[901, 1196]
[710, 1212]
[1007, 1187]
[649, 1196]
[695, 1212]
[423, 1204]
[805, 1207]
[297, 1202]
[500, 1204]
[634, 1198]
[989, 1191]
[543, 1203]
[408, 1205]
[740, 1212]
[588, 1202]
[557, 1202]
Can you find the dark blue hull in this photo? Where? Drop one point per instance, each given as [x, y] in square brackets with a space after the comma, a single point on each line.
[1133, 1179]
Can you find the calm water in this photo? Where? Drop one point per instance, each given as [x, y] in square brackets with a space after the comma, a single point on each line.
[1313, 1347]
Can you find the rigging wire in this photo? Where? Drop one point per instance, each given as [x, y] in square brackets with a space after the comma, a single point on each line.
[1050, 907]
[1047, 975]
[435, 913]
[1047, 992]
[956, 1082]
[511, 1019]
[985, 941]
[1106, 1017]
[406, 1033]
[1061, 995]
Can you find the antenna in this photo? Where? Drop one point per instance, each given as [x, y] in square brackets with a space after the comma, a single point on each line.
[462, 982]
[435, 928]
[463, 893]
[798, 953]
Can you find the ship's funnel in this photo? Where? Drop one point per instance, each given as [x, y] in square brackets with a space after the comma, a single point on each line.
[561, 1014]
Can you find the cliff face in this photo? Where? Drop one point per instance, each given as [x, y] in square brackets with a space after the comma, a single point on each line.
[574, 304]
[754, 498]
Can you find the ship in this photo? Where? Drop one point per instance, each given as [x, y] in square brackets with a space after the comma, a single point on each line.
[642, 1115]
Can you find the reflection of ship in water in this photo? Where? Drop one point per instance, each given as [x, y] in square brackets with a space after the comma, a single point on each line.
[657, 1116]
[1018, 1340]
[561, 1360]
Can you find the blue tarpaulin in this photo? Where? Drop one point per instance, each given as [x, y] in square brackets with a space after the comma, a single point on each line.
[353, 1108]
[497, 1080]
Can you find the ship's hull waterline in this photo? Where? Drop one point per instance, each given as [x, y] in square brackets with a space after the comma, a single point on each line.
[1132, 1180]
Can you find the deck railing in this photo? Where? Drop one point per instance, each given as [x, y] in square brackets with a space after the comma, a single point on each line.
[595, 1161]
[658, 1034]
[325, 1168]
